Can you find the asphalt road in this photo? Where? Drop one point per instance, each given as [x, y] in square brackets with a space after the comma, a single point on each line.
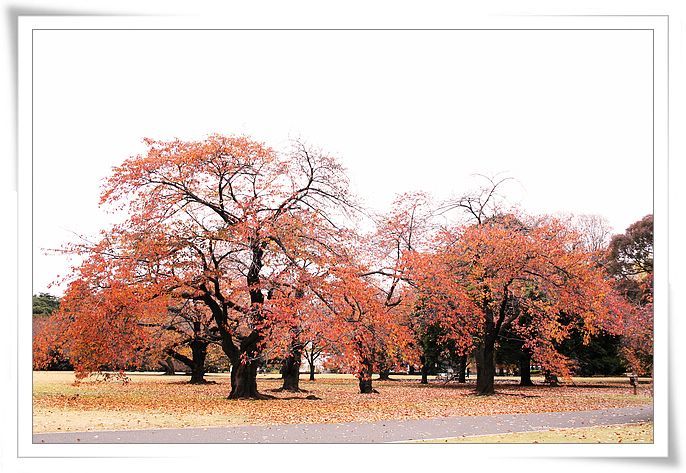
[353, 432]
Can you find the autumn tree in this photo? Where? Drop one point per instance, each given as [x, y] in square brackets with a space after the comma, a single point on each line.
[638, 341]
[46, 349]
[406, 229]
[313, 351]
[363, 296]
[299, 318]
[589, 234]
[630, 261]
[105, 316]
[502, 272]
[299, 308]
[370, 328]
[90, 331]
[192, 333]
[598, 354]
[221, 222]
[113, 302]
[382, 320]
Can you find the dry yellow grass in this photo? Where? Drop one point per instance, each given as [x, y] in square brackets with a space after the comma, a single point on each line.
[624, 433]
[156, 401]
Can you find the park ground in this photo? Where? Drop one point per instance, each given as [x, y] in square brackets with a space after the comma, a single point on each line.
[627, 433]
[152, 401]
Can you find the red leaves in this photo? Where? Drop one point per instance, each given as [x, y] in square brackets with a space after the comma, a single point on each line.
[103, 328]
[154, 401]
[226, 222]
[637, 342]
[259, 238]
[534, 278]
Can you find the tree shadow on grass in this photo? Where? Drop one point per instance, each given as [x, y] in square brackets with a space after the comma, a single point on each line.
[310, 397]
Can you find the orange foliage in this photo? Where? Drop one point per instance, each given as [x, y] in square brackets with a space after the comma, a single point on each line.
[227, 222]
[533, 278]
[260, 239]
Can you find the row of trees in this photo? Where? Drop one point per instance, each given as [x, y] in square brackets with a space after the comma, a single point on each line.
[229, 242]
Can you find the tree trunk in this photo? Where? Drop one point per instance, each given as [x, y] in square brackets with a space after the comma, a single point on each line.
[551, 379]
[244, 380]
[425, 371]
[461, 375]
[291, 370]
[311, 371]
[485, 368]
[199, 352]
[525, 369]
[244, 363]
[168, 366]
[365, 378]
[385, 375]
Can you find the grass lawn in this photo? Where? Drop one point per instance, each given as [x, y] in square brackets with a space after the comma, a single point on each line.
[624, 433]
[152, 400]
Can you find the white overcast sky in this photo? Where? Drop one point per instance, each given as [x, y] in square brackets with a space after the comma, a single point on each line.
[566, 113]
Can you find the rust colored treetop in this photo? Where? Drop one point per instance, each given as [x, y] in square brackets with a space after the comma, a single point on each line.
[535, 279]
[232, 222]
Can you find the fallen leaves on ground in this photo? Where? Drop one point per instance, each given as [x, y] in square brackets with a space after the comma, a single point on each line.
[623, 433]
[156, 401]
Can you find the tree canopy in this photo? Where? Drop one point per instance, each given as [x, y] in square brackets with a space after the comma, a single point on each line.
[228, 241]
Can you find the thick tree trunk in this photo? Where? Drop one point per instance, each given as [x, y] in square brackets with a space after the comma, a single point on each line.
[365, 379]
[525, 369]
[244, 362]
[291, 370]
[197, 375]
[485, 368]
[244, 354]
[461, 375]
[425, 371]
[199, 352]
[366, 385]
[244, 380]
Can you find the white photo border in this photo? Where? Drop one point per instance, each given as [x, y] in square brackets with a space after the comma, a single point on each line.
[659, 26]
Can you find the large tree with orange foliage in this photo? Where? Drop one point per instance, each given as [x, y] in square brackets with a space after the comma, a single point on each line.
[379, 293]
[227, 222]
[530, 277]
[367, 331]
[110, 312]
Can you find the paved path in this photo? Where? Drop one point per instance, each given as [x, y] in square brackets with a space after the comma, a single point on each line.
[373, 432]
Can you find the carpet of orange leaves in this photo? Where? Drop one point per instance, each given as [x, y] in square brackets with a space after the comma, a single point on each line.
[156, 401]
